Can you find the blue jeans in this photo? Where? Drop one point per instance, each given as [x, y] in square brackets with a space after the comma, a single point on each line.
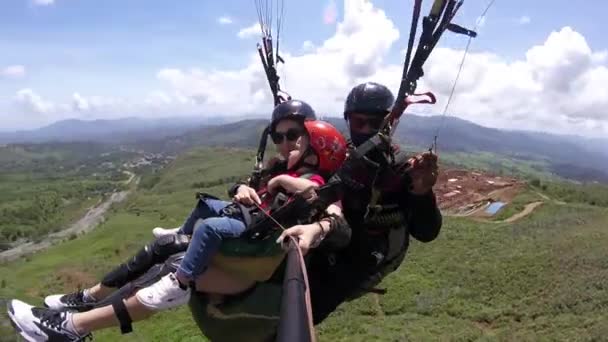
[207, 237]
[204, 208]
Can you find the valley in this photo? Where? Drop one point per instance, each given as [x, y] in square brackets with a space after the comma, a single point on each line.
[529, 271]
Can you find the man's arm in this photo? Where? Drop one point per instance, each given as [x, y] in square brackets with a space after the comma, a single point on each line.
[419, 201]
[338, 231]
[425, 218]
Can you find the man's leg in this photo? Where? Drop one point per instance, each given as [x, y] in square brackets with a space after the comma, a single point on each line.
[332, 279]
[36, 323]
[170, 291]
[154, 253]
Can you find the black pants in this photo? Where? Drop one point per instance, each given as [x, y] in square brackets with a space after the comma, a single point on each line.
[333, 279]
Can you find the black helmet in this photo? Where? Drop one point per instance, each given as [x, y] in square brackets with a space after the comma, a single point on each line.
[369, 98]
[292, 109]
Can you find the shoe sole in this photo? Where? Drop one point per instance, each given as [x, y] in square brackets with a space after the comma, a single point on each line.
[16, 326]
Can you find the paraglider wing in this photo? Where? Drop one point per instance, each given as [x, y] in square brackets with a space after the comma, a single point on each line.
[433, 26]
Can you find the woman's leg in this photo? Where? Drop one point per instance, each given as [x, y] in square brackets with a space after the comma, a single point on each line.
[217, 281]
[206, 241]
[205, 208]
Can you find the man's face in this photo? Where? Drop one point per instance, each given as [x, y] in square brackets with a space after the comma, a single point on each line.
[364, 124]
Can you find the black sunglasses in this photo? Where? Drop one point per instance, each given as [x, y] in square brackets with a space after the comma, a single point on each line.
[292, 134]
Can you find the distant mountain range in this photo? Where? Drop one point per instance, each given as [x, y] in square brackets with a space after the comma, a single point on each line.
[569, 156]
[109, 131]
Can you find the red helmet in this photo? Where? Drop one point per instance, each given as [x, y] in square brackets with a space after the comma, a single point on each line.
[328, 144]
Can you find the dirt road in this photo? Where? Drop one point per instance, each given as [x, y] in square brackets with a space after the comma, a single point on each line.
[528, 209]
[87, 223]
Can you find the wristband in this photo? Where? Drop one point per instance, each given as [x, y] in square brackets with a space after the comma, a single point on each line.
[320, 239]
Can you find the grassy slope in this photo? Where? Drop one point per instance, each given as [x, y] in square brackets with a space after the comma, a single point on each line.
[81, 261]
[62, 179]
[19, 192]
[542, 277]
[518, 204]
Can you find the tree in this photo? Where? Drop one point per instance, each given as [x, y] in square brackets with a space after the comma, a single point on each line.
[45, 205]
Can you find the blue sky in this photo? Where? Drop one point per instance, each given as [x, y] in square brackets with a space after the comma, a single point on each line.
[115, 48]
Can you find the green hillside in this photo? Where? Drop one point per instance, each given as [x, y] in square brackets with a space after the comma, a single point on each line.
[43, 187]
[540, 278]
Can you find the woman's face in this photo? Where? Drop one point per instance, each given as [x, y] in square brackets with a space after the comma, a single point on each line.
[296, 154]
[285, 136]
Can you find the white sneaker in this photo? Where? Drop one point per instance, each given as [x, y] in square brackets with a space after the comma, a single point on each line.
[160, 231]
[73, 301]
[39, 324]
[164, 294]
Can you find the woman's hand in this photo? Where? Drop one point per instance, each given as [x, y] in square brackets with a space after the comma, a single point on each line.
[246, 196]
[308, 236]
[309, 194]
[274, 183]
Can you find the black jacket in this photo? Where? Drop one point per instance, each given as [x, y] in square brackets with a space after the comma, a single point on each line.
[337, 275]
[421, 212]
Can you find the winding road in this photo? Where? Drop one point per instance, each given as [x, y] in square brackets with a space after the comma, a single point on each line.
[87, 223]
[528, 209]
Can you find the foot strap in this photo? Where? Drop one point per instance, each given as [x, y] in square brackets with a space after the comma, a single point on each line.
[120, 310]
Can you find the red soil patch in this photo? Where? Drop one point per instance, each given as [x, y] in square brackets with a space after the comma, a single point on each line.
[462, 192]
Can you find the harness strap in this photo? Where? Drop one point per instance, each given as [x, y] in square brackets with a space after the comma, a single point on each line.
[396, 243]
[120, 310]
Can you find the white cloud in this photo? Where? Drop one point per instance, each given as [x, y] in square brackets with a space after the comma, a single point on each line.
[158, 98]
[330, 13]
[332, 68]
[32, 102]
[250, 31]
[215, 91]
[225, 20]
[80, 104]
[308, 46]
[559, 85]
[43, 2]
[13, 71]
[524, 19]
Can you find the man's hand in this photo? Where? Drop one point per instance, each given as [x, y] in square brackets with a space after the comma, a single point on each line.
[246, 196]
[423, 172]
